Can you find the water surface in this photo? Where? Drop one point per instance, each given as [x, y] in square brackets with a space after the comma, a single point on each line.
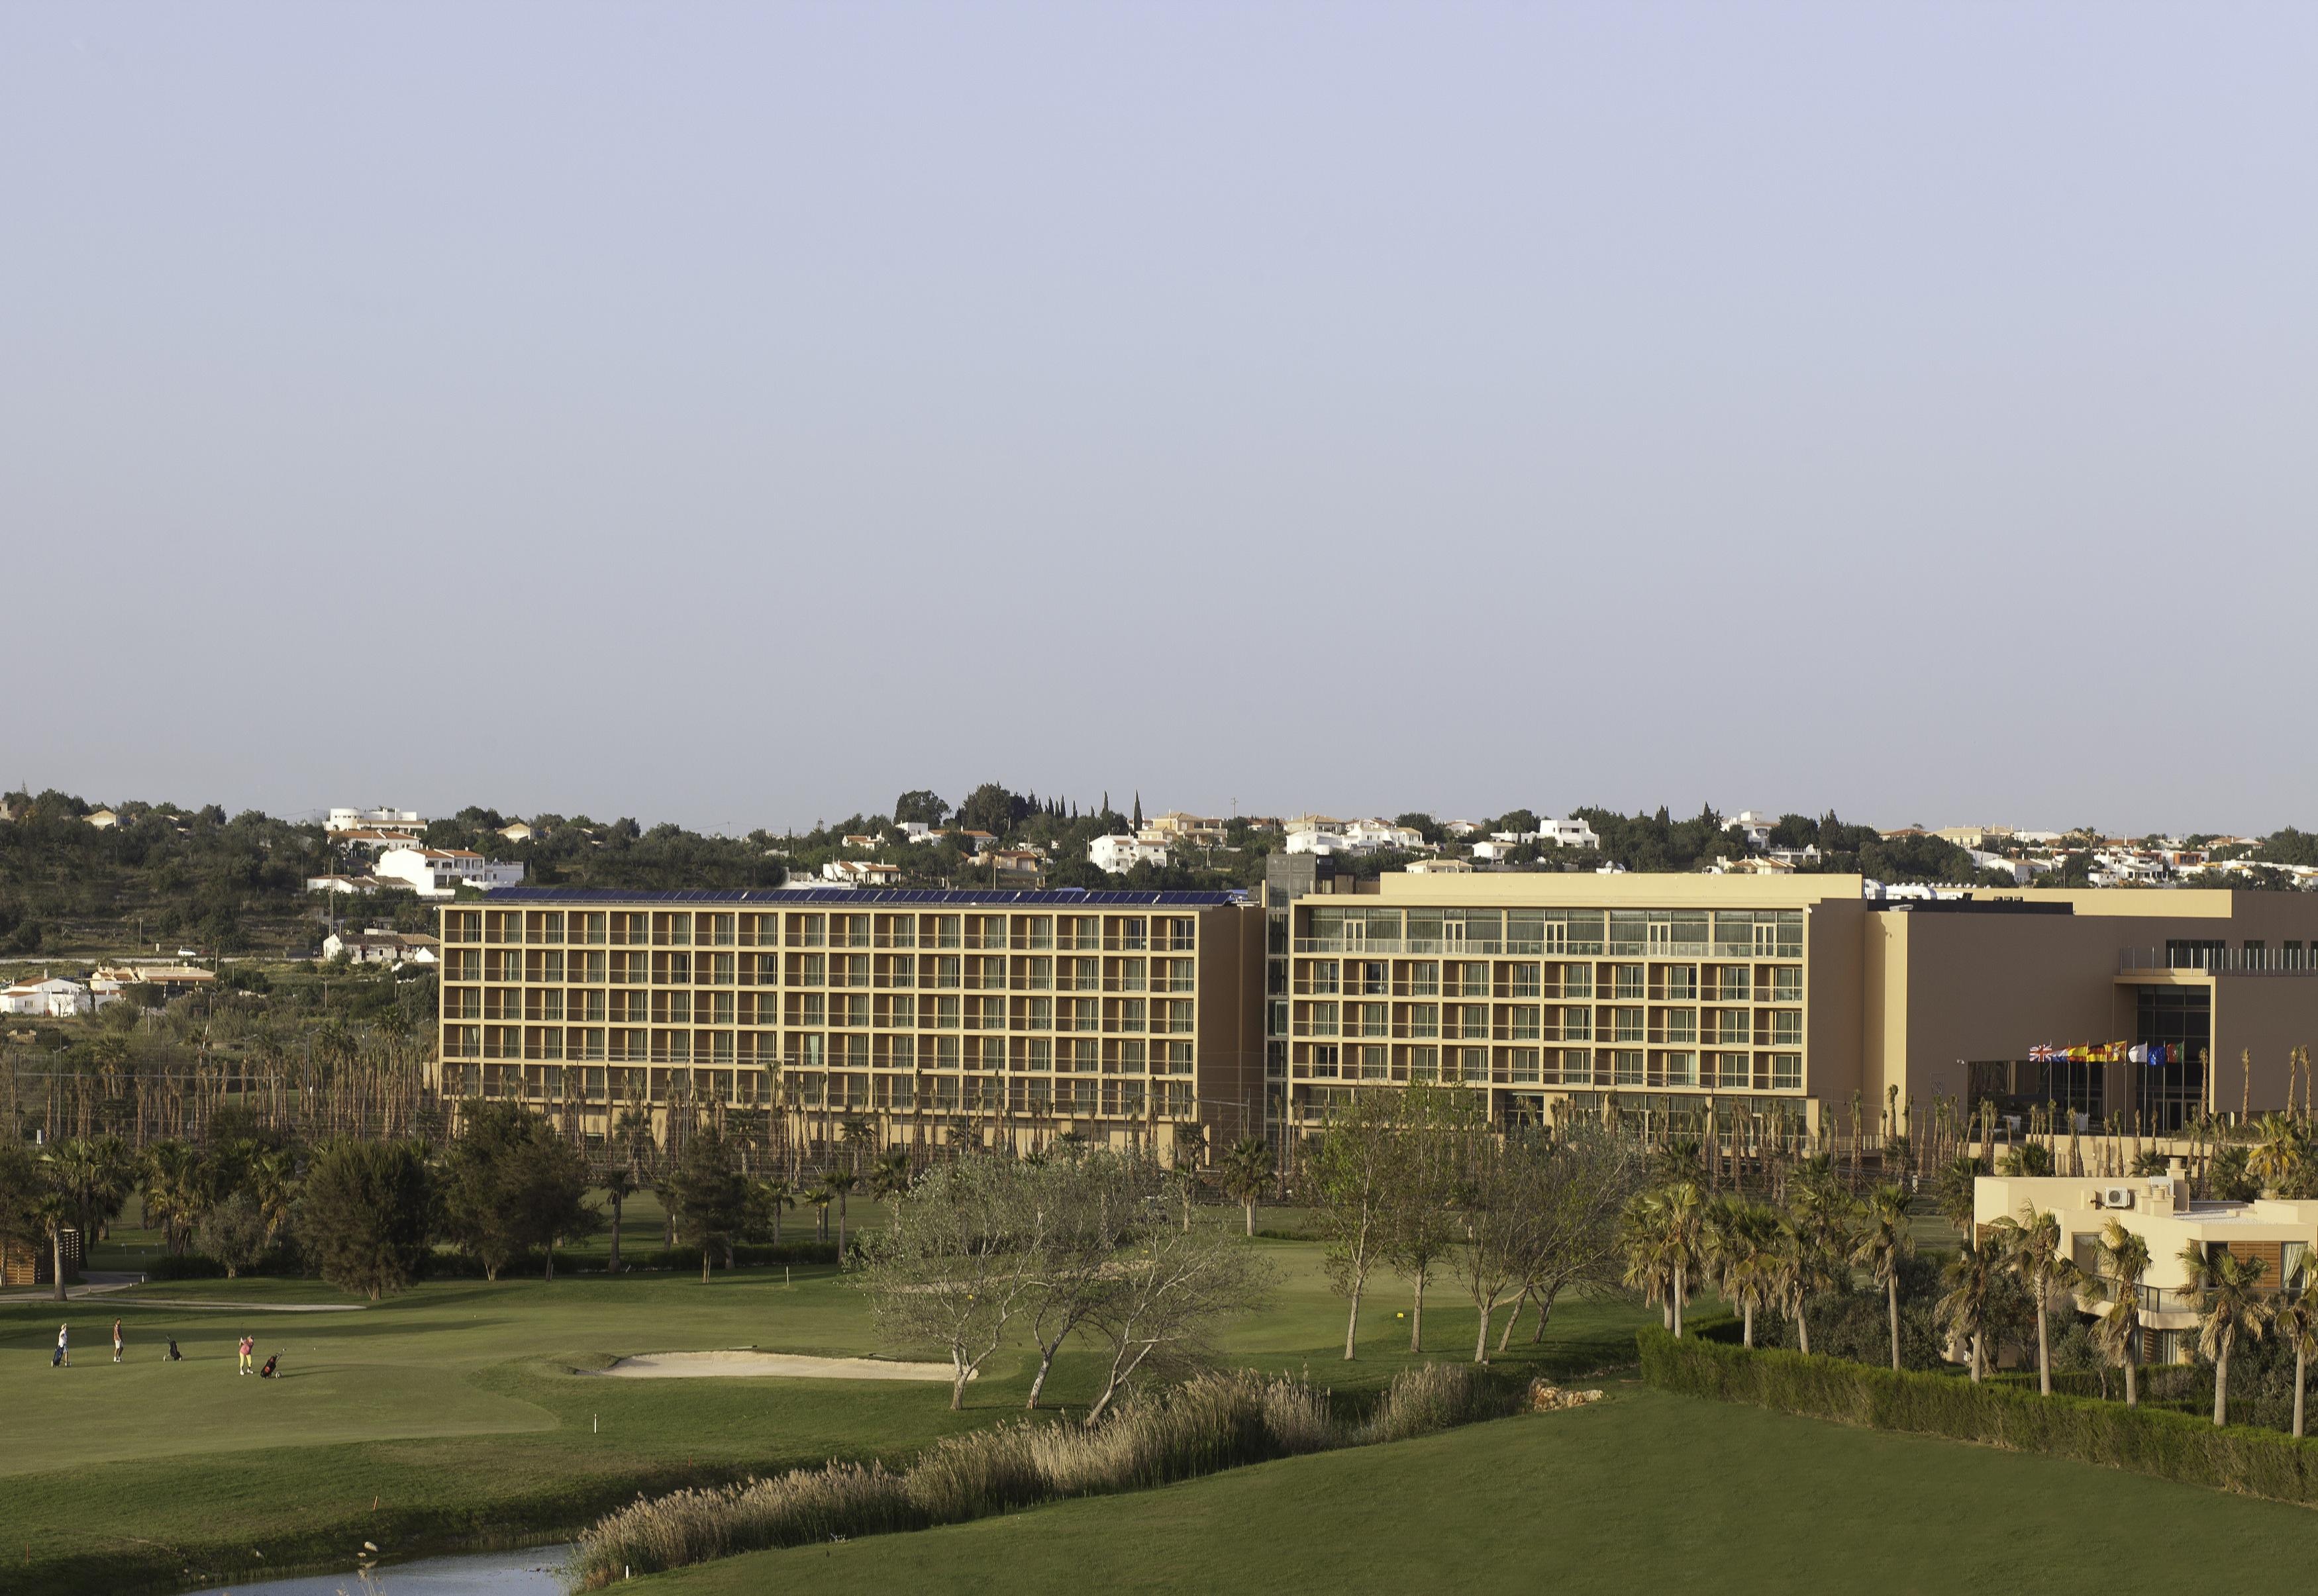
[531, 1572]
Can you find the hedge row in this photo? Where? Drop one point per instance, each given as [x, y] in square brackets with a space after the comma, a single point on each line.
[2170, 1446]
[461, 1266]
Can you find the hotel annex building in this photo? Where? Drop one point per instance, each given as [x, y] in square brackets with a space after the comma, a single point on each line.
[941, 1017]
[1125, 1018]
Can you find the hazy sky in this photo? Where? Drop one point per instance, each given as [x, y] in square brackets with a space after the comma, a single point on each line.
[736, 414]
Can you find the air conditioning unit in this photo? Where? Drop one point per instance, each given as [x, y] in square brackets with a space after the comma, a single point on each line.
[2118, 1196]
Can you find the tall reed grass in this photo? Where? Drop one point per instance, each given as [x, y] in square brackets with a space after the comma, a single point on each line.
[1209, 1423]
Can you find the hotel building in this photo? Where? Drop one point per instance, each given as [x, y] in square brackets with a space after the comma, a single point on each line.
[949, 1019]
[1799, 990]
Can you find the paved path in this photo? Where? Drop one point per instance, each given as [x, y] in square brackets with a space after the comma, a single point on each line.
[97, 1283]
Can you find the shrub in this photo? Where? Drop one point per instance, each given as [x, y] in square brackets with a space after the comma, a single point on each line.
[1207, 1423]
[187, 1266]
[2154, 1441]
[1437, 1396]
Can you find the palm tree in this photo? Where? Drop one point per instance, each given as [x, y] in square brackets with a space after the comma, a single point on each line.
[820, 1197]
[1882, 1245]
[840, 1183]
[1963, 1309]
[2122, 1260]
[2278, 1152]
[271, 1179]
[2297, 1318]
[619, 1186]
[1955, 1194]
[1741, 1243]
[776, 1193]
[1666, 1234]
[172, 1176]
[1247, 1174]
[854, 1133]
[890, 1177]
[2226, 1292]
[53, 1210]
[1642, 1237]
[2030, 1249]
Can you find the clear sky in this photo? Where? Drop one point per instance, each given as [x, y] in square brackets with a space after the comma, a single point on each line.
[738, 413]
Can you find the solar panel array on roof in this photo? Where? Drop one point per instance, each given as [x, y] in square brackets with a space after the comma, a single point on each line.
[1064, 897]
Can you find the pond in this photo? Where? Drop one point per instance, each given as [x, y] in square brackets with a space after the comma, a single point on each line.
[533, 1571]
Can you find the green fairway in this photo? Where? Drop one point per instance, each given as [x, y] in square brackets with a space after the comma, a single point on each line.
[1643, 1491]
[451, 1407]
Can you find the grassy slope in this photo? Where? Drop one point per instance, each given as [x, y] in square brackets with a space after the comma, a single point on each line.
[449, 1407]
[1642, 1492]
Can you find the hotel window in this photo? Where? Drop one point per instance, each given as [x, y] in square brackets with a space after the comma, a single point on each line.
[1525, 983]
[1786, 1028]
[1577, 981]
[1786, 983]
[1732, 1069]
[1577, 1024]
[1628, 979]
[1676, 983]
[1424, 1020]
[1625, 1024]
[1787, 1071]
[1681, 1068]
[1628, 1062]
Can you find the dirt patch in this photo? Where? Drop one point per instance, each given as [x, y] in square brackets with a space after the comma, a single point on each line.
[739, 1364]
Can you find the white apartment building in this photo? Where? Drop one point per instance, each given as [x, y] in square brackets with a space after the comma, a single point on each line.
[441, 872]
[1116, 855]
[408, 820]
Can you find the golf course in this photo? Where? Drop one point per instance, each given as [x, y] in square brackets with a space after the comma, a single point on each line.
[469, 1413]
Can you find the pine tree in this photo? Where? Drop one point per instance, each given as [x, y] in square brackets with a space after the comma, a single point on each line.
[1138, 809]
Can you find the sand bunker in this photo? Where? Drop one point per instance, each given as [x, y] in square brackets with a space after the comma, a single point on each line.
[740, 1364]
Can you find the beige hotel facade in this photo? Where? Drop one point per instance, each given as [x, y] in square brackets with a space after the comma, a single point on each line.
[946, 1019]
[962, 1018]
[1769, 991]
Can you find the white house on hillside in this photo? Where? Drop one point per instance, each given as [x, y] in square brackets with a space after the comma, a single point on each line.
[50, 998]
[379, 945]
[1117, 854]
[440, 872]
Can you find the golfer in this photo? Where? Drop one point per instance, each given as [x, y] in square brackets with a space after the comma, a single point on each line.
[246, 1348]
[63, 1359]
[116, 1341]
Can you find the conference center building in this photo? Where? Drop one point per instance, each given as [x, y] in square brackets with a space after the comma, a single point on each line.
[1796, 994]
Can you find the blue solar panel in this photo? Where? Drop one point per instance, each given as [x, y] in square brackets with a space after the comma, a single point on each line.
[1060, 896]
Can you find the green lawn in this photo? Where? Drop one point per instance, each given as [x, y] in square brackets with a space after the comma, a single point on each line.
[1645, 1492]
[451, 1407]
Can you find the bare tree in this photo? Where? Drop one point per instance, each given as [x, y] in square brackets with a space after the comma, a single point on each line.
[1167, 1291]
[1583, 1179]
[1088, 1206]
[1351, 1172]
[1422, 1224]
[957, 1264]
